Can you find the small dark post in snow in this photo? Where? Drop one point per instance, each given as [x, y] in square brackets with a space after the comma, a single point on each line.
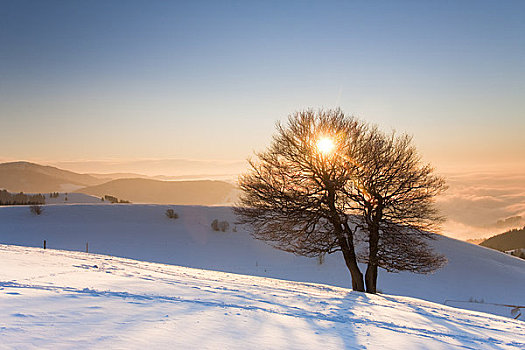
[86, 247]
[44, 244]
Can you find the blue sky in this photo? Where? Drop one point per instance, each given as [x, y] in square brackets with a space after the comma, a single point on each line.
[208, 80]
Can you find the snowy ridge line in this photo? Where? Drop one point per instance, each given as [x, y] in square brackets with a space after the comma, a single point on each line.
[164, 268]
[197, 274]
[181, 271]
[161, 267]
[202, 275]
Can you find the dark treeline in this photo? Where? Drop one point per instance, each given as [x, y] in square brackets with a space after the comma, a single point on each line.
[21, 198]
[113, 199]
[512, 239]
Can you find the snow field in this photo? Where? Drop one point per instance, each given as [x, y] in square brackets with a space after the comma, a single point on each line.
[54, 299]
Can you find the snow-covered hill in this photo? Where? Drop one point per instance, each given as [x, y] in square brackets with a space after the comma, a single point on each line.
[53, 299]
[143, 232]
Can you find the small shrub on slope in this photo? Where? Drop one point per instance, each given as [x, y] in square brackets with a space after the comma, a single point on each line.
[36, 209]
[217, 225]
[170, 213]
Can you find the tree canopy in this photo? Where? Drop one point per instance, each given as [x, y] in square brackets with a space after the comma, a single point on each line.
[329, 182]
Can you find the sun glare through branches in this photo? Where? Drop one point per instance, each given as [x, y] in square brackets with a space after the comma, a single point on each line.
[325, 145]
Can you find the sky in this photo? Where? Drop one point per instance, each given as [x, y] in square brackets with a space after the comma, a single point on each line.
[127, 80]
[190, 88]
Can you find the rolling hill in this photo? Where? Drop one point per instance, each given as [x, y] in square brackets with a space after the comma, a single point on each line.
[202, 192]
[34, 178]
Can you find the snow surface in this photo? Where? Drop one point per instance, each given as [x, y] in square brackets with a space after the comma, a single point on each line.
[51, 299]
[143, 232]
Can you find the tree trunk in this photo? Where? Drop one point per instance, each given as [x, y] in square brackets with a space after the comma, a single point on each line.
[371, 278]
[357, 277]
[346, 244]
[371, 270]
[351, 263]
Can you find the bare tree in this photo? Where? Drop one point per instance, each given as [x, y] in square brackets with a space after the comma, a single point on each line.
[294, 196]
[393, 198]
[328, 182]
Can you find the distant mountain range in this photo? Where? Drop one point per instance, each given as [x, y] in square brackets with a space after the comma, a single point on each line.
[34, 178]
[154, 167]
[116, 176]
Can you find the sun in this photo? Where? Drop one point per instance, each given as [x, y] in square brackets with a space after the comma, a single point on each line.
[325, 145]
